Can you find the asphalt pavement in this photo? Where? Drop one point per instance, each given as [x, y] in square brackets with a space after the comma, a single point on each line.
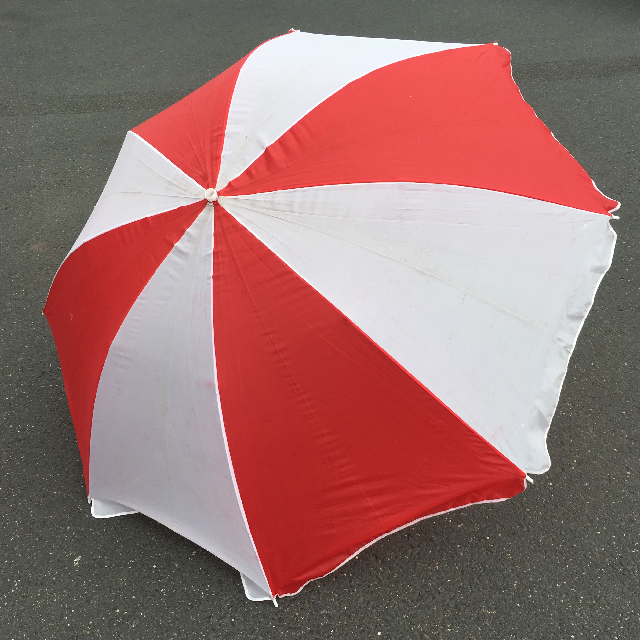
[558, 561]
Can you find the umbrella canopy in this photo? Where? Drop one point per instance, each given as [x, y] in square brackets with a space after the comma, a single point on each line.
[331, 292]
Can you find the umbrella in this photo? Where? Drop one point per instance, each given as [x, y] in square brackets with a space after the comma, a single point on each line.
[330, 293]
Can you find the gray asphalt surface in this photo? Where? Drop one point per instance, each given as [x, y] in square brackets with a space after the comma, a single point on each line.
[558, 561]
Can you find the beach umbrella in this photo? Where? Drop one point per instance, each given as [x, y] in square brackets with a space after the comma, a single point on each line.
[330, 293]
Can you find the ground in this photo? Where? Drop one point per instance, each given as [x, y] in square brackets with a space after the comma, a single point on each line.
[558, 561]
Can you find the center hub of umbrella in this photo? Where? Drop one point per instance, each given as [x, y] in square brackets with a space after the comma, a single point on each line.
[211, 195]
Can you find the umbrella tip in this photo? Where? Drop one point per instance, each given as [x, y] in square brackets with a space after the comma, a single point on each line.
[211, 195]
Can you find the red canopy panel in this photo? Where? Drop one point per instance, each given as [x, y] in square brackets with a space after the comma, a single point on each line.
[91, 295]
[333, 443]
[452, 117]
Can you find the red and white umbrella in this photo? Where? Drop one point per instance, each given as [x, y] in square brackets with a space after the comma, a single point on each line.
[331, 292]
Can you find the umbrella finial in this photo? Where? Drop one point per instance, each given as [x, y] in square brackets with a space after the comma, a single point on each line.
[211, 195]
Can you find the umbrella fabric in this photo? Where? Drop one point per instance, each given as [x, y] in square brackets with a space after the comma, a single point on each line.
[331, 292]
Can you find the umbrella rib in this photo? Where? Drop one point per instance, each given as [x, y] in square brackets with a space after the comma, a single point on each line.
[404, 264]
[163, 178]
